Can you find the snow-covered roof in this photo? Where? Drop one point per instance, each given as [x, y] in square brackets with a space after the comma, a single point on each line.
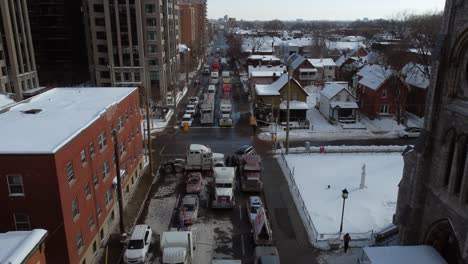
[15, 246]
[263, 57]
[266, 71]
[54, 118]
[331, 90]
[325, 62]
[403, 255]
[295, 60]
[344, 105]
[273, 89]
[294, 105]
[344, 45]
[341, 60]
[5, 101]
[183, 48]
[374, 76]
[260, 44]
[415, 75]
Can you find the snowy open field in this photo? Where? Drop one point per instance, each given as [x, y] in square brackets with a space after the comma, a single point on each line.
[366, 209]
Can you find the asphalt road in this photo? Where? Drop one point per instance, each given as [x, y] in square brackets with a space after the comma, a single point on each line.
[288, 231]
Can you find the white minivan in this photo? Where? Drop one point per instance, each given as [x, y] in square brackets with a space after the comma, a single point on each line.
[211, 89]
[138, 245]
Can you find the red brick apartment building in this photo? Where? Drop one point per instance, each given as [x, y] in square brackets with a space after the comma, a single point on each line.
[57, 166]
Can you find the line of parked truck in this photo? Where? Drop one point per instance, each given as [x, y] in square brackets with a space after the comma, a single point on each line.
[243, 169]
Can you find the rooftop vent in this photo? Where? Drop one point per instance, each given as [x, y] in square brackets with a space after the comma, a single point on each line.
[32, 111]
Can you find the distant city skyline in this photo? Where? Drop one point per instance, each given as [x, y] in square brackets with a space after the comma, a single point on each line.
[317, 10]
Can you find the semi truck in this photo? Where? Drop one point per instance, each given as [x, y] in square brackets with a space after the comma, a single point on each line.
[250, 171]
[225, 113]
[207, 109]
[214, 78]
[226, 77]
[224, 185]
[198, 158]
[177, 247]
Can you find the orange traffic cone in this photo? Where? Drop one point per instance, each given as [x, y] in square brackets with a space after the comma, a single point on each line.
[186, 127]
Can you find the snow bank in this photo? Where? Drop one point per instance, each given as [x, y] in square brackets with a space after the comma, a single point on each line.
[346, 149]
[320, 179]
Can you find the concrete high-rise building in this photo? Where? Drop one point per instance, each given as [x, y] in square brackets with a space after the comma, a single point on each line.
[58, 35]
[18, 73]
[133, 39]
[433, 194]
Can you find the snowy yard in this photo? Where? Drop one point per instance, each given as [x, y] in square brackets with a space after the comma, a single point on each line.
[367, 209]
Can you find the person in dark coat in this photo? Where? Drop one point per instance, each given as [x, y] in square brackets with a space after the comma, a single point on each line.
[346, 239]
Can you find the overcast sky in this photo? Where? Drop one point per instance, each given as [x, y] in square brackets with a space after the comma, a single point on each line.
[317, 9]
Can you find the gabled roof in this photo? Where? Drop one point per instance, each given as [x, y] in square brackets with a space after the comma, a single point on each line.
[266, 71]
[332, 89]
[16, 246]
[325, 62]
[274, 88]
[415, 75]
[295, 60]
[374, 76]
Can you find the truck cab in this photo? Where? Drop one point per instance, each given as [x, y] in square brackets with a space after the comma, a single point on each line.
[226, 77]
[214, 78]
[225, 118]
[177, 247]
[224, 187]
[250, 170]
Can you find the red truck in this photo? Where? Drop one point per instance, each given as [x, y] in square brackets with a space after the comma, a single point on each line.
[250, 171]
[227, 88]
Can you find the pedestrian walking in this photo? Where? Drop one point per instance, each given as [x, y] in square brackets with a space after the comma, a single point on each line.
[346, 239]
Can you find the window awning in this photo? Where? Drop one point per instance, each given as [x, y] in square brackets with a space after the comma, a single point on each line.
[344, 105]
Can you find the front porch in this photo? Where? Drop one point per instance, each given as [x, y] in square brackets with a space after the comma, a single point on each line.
[343, 112]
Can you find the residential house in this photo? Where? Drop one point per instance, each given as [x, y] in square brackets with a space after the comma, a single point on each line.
[263, 75]
[263, 60]
[26, 247]
[380, 92]
[337, 103]
[311, 71]
[347, 67]
[416, 77]
[270, 100]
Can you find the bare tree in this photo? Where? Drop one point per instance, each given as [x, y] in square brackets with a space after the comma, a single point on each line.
[274, 25]
[234, 50]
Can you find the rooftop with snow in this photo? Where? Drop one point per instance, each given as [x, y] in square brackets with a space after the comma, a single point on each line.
[16, 246]
[45, 123]
[322, 177]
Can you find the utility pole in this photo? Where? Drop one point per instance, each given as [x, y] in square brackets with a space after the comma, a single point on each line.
[287, 108]
[148, 136]
[119, 183]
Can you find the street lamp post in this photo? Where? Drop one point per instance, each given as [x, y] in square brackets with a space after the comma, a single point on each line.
[344, 195]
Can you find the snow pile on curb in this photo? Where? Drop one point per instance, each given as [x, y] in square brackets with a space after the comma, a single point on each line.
[345, 149]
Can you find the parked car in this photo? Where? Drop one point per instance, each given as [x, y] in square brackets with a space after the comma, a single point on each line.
[243, 150]
[194, 100]
[266, 255]
[138, 245]
[194, 182]
[255, 203]
[189, 209]
[410, 132]
[187, 118]
[191, 109]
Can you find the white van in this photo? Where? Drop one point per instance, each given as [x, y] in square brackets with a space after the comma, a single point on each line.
[211, 89]
[138, 245]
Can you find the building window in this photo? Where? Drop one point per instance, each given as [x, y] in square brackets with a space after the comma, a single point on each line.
[75, 208]
[137, 130]
[153, 62]
[22, 222]
[99, 21]
[101, 235]
[126, 115]
[94, 247]
[15, 185]
[105, 170]
[460, 169]
[99, 209]
[150, 8]
[108, 197]
[133, 135]
[87, 191]
[91, 222]
[120, 123]
[151, 35]
[98, 8]
[79, 242]
[294, 98]
[83, 157]
[154, 75]
[384, 109]
[102, 140]
[95, 181]
[152, 48]
[70, 173]
[151, 22]
[91, 149]
[384, 93]
[122, 148]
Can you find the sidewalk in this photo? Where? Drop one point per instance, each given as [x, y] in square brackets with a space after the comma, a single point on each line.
[132, 211]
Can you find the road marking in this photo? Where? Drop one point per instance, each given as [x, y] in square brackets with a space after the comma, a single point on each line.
[240, 212]
[242, 242]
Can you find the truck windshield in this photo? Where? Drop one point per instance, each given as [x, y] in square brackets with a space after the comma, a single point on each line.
[225, 112]
[186, 119]
[223, 185]
[135, 244]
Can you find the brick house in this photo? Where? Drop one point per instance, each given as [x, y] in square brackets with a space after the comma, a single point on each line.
[379, 92]
[417, 80]
[263, 75]
[27, 247]
[57, 171]
[311, 71]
